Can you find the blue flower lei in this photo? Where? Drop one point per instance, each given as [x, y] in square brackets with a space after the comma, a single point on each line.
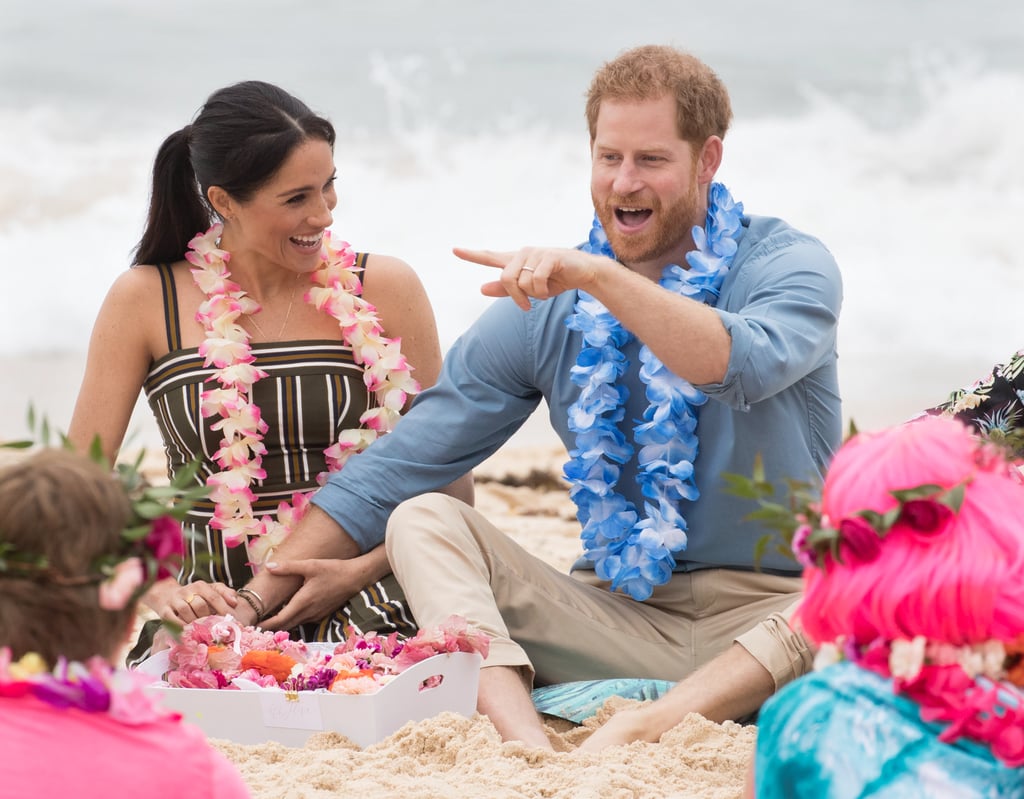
[636, 554]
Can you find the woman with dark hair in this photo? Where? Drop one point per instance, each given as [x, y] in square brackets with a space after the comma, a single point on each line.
[261, 350]
[69, 580]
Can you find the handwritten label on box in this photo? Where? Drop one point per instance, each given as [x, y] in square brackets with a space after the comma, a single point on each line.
[295, 711]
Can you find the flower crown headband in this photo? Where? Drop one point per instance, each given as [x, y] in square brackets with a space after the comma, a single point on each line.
[925, 509]
[813, 539]
[971, 689]
[151, 545]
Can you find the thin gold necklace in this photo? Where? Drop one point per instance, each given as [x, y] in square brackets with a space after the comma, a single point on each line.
[284, 324]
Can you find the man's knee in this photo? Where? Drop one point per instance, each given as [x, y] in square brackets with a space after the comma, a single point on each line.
[421, 516]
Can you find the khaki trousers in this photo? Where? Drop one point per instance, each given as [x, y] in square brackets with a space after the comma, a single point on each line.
[557, 627]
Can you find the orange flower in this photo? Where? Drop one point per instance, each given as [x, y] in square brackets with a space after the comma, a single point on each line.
[270, 663]
[351, 674]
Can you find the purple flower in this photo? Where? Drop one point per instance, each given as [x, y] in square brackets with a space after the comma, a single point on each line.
[859, 540]
[925, 515]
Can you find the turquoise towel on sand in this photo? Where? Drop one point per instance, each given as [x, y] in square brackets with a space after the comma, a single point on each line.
[580, 700]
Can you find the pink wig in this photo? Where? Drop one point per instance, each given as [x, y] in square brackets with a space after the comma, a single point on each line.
[961, 585]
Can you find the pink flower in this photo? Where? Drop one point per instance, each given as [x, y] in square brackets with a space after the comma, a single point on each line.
[393, 398]
[165, 541]
[261, 547]
[239, 451]
[263, 680]
[943, 654]
[245, 422]
[873, 657]
[218, 399]
[1008, 742]
[223, 658]
[349, 443]
[194, 679]
[452, 635]
[204, 246]
[221, 352]
[804, 555]
[859, 540]
[130, 703]
[117, 591]
[380, 420]
[240, 374]
[212, 281]
[235, 531]
[189, 656]
[238, 478]
[212, 651]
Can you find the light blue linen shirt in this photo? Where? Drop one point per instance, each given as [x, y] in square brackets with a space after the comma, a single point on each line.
[780, 398]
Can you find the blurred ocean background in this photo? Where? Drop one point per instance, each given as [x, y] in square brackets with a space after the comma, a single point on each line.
[892, 130]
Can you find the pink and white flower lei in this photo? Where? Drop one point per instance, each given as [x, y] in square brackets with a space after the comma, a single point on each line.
[337, 290]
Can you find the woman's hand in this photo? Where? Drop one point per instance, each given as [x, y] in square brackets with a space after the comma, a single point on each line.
[327, 584]
[181, 604]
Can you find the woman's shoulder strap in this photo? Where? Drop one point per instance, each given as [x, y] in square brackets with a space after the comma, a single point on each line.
[172, 322]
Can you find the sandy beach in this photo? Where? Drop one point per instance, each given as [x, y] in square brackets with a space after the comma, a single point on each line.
[519, 488]
[453, 756]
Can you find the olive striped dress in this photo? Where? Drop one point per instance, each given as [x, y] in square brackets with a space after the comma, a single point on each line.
[313, 390]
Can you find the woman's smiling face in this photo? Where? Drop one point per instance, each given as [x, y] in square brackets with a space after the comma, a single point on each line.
[283, 223]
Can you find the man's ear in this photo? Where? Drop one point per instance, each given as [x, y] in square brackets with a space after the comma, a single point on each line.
[709, 159]
[221, 201]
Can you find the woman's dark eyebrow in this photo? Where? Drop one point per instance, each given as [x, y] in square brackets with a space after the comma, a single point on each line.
[306, 188]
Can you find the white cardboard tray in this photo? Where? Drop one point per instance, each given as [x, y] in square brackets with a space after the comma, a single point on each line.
[258, 714]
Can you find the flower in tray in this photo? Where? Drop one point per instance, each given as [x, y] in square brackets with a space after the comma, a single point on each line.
[454, 635]
[269, 663]
[360, 665]
[352, 678]
[217, 651]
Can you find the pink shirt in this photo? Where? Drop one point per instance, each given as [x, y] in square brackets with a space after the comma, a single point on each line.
[46, 753]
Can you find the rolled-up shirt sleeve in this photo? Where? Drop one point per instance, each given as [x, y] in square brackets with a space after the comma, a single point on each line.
[782, 317]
